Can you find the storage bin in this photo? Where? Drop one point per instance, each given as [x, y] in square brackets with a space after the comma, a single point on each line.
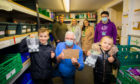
[40, 10]
[124, 77]
[33, 27]
[21, 28]
[10, 65]
[11, 29]
[25, 78]
[25, 56]
[128, 55]
[28, 29]
[2, 29]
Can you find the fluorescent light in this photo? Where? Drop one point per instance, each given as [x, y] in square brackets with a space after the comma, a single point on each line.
[66, 5]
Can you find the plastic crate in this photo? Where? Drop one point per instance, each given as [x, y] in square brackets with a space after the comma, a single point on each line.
[124, 77]
[128, 55]
[28, 29]
[24, 56]
[11, 29]
[33, 28]
[40, 10]
[25, 79]
[2, 29]
[21, 28]
[10, 65]
[128, 48]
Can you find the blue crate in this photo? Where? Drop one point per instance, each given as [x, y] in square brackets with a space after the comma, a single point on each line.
[25, 79]
[25, 56]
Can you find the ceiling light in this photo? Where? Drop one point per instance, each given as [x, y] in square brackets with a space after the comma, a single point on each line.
[66, 5]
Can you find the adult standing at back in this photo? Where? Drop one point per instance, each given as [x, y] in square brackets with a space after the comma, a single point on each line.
[87, 36]
[75, 28]
[59, 30]
[105, 28]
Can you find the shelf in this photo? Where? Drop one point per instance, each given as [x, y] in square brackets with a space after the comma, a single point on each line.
[79, 19]
[26, 65]
[26, 10]
[8, 41]
[137, 10]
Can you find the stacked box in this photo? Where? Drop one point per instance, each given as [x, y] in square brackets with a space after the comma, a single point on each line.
[28, 29]
[21, 28]
[10, 65]
[2, 29]
[33, 27]
[11, 29]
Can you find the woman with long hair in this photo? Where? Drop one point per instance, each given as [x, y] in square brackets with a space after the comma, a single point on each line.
[87, 36]
[74, 27]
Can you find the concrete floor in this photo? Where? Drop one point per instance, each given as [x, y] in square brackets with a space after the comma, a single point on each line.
[81, 77]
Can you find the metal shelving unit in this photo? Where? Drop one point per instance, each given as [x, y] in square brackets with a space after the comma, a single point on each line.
[23, 9]
[9, 41]
[79, 19]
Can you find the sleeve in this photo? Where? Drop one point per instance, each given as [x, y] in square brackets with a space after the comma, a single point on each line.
[95, 34]
[79, 34]
[92, 35]
[57, 51]
[54, 30]
[23, 46]
[54, 59]
[114, 33]
[116, 63]
[80, 60]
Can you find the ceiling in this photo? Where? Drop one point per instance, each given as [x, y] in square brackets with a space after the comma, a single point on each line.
[75, 5]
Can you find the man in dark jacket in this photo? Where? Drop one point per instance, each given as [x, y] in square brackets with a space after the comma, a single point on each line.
[59, 30]
[41, 61]
[105, 28]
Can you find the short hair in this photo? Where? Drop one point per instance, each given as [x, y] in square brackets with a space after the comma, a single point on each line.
[60, 16]
[107, 37]
[70, 32]
[105, 12]
[42, 30]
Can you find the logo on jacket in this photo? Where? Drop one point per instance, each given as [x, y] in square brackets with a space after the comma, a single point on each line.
[104, 27]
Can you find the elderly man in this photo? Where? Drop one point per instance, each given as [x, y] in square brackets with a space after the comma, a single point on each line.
[67, 67]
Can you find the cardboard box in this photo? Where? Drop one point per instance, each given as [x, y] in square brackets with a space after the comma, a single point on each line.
[71, 53]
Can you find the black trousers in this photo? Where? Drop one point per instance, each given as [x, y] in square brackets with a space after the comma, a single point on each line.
[42, 81]
[98, 80]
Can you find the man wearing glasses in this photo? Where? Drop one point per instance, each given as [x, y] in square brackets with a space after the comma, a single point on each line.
[105, 28]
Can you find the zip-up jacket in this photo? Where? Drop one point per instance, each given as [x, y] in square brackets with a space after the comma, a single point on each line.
[41, 62]
[103, 68]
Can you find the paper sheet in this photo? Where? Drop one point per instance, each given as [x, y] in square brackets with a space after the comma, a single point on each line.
[71, 53]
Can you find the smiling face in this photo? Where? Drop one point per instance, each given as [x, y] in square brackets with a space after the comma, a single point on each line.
[74, 22]
[43, 37]
[61, 19]
[86, 23]
[106, 43]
